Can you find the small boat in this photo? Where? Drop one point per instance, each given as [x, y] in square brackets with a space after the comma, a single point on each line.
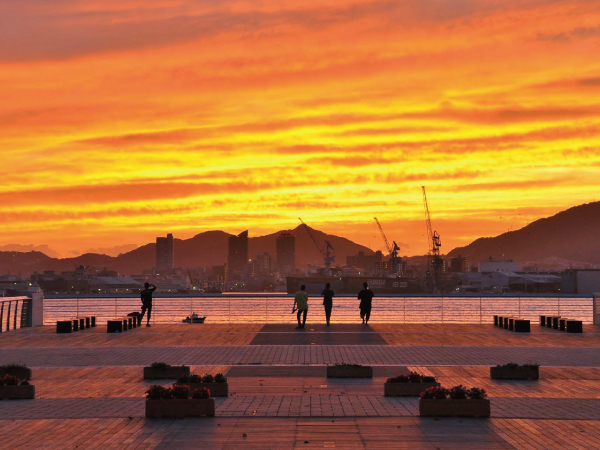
[195, 319]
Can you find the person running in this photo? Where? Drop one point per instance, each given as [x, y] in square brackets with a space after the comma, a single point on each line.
[147, 302]
[365, 296]
[301, 300]
[328, 301]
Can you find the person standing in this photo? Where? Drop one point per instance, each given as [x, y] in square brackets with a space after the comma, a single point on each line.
[146, 295]
[365, 296]
[301, 301]
[328, 301]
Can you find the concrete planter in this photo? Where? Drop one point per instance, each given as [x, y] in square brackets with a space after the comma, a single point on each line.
[454, 408]
[151, 373]
[520, 373]
[22, 373]
[349, 372]
[216, 389]
[180, 408]
[17, 392]
[406, 389]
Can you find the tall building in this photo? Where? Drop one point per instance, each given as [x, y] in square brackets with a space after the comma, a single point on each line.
[165, 256]
[264, 264]
[458, 264]
[286, 252]
[237, 257]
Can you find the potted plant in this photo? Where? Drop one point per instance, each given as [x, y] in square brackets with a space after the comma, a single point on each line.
[21, 371]
[161, 370]
[344, 370]
[455, 402]
[217, 384]
[514, 371]
[410, 385]
[13, 388]
[176, 402]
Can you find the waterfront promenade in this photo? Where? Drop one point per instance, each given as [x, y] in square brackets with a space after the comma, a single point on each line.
[90, 391]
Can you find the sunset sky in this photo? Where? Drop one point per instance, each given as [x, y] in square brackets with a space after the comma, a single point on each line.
[124, 120]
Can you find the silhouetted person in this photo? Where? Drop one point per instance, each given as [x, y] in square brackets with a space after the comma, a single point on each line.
[327, 301]
[301, 299]
[147, 302]
[365, 296]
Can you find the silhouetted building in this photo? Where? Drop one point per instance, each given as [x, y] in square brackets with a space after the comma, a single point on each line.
[238, 255]
[367, 261]
[165, 256]
[263, 265]
[458, 264]
[286, 252]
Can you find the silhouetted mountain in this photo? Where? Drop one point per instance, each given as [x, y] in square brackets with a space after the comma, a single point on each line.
[22, 262]
[571, 235]
[203, 250]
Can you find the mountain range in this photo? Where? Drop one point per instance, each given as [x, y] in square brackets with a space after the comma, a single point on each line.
[569, 237]
[203, 250]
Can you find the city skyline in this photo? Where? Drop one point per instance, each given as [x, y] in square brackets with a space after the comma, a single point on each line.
[122, 120]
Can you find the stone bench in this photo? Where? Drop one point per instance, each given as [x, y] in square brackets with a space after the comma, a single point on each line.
[552, 322]
[121, 324]
[570, 325]
[510, 323]
[75, 324]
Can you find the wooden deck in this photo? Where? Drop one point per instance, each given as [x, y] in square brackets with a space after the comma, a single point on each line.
[90, 388]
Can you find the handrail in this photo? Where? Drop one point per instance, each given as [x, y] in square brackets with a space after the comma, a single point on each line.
[277, 308]
[15, 312]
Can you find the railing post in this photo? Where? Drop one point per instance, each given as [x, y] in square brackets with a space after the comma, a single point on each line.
[442, 310]
[480, 313]
[8, 317]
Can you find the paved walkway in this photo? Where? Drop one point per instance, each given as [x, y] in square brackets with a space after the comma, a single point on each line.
[89, 388]
[301, 354]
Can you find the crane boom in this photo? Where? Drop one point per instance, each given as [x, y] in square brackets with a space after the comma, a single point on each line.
[427, 223]
[387, 244]
[325, 250]
[433, 248]
[392, 249]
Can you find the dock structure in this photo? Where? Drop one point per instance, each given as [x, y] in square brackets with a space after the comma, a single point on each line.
[90, 389]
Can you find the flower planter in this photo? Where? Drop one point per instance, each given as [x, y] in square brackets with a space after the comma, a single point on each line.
[22, 373]
[454, 408]
[349, 372]
[519, 373]
[154, 373]
[17, 392]
[180, 408]
[216, 389]
[406, 389]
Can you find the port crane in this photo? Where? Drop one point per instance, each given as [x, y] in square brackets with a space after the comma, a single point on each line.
[434, 261]
[326, 250]
[392, 249]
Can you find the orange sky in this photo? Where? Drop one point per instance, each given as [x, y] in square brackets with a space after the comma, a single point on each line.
[124, 120]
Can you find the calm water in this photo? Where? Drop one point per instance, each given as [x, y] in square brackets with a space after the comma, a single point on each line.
[277, 309]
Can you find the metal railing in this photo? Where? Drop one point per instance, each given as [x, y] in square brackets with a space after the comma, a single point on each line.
[15, 312]
[256, 308]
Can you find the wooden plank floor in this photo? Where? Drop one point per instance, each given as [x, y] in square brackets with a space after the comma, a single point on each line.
[163, 335]
[486, 335]
[90, 389]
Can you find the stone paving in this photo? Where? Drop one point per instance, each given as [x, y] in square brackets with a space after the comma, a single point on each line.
[89, 388]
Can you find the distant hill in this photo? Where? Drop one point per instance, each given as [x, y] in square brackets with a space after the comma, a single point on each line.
[571, 235]
[203, 250]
